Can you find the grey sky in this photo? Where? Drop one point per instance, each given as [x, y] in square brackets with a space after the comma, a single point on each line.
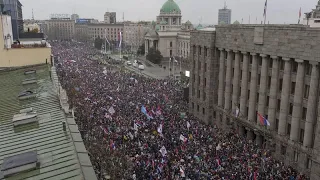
[279, 11]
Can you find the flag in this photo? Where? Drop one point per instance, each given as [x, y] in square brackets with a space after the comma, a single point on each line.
[104, 130]
[144, 110]
[163, 151]
[120, 39]
[263, 120]
[135, 127]
[299, 15]
[182, 173]
[265, 9]
[111, 110]
[188, 125]
[182, 138]
[160, 129]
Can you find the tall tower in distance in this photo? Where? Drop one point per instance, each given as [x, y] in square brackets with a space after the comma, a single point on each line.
[110, 17]
[224, 16]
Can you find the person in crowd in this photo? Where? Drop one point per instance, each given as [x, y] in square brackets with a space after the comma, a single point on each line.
[139, 128]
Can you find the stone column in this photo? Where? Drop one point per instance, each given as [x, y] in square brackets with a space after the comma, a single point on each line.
[263, 86]
[249, 134]
[258, 139]
[227, 95]
[312, 106]
[241, 130]
[297, 102]
[253, 88]
[145, 47]
[221, 78]
[285, 95]
[227, 102]
[244, 85]
[236, 82]
[273, 93]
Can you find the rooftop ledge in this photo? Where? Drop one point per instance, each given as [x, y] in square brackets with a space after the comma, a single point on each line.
[34, 45]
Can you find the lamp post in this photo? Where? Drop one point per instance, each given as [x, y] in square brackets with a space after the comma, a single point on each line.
[169, 66]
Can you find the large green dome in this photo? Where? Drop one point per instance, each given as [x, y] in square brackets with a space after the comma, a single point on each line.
[169, 7]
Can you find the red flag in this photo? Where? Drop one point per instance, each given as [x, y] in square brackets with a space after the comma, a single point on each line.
[300, 13]
[261, 118]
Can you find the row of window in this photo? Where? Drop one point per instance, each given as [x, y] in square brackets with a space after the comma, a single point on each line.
[198, 109]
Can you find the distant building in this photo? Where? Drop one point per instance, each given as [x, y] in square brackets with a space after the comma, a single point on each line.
[111, 31]
[60, 27]
[313, 18]
[30, 27]
[14, 9]
[169, 34]
[224, 16]
[134, 34]
[110, 17]
[27, 52]
[74, 17]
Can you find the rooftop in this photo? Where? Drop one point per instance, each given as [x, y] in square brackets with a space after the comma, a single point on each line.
[57, 152]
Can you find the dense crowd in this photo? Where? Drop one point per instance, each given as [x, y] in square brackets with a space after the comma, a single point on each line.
[139, 128]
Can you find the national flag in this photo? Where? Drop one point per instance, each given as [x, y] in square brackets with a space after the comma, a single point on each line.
[265, 8]
[299, 15]
[263, 120]
[120, 39]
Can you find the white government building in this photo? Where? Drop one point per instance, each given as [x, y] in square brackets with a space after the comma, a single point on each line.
[168, 34]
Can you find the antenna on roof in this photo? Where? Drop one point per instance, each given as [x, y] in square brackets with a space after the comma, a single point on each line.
[32, 15]
[225, 5]
[123, 16]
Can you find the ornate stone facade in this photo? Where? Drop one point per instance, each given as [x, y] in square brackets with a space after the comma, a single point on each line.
[272, 70]
[169, 35]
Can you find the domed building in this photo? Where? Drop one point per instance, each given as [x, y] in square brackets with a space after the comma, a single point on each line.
[169, 35]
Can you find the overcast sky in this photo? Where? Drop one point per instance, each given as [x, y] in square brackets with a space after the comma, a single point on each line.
[206, 11]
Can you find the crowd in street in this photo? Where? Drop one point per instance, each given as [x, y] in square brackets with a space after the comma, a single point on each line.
[139, 128]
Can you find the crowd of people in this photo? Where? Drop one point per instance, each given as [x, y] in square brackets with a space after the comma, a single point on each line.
[136, 127]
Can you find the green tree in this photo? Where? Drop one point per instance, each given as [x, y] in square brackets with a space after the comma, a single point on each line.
[154, 56]
[98, 43]
[35, 30]
[141, 50]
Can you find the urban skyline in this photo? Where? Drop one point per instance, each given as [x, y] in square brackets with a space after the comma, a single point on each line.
[278, 12]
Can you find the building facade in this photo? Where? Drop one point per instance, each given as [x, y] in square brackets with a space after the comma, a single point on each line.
[168, 32]
[224, 16]
[134, 34]
[272, 70]
[313, 18]
[110, 17]
[60, 29]
[81, 32]
[102, 30]
[14, 9]
[74, 17]
[24, 54]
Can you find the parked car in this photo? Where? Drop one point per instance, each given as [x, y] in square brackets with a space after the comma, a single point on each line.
[129, 63]
[141, 67]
